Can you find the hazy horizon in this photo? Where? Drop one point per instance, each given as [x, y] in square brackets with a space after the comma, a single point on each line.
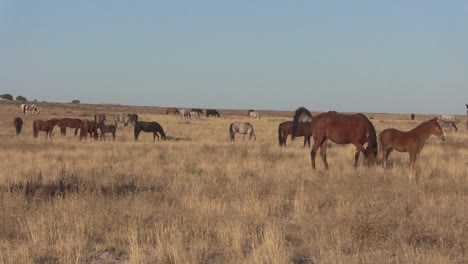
[360, 56]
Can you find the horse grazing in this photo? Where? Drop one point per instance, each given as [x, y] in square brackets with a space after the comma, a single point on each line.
[408, 141]
[46, 126]
[254, 114]
[341, 129]
[303, 130]
[29, 107]
[103, 129]
[412, 116]
[100, 118]
[154, 127]
[250, 110]
[71, 123]
[212, 112]
[172, 110]
[198, 110]
[18, 123]
[242, 128]
[88, 126]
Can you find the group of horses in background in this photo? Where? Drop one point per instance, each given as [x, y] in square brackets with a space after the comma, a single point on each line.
[192, 113]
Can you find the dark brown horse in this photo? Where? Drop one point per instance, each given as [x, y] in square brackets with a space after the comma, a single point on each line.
[412, 116]
[71, 123]
[285, 128]
[46, 126]
[172, 110]
[153, 127]
[408, 141]
[88, 126]
[18, 123]
[341, 129]
[103, 129]
[212, 112]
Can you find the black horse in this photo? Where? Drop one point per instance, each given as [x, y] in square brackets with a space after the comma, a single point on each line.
[103, 129]
[18, 122]
[198, 110]
[212, 112]
[154, 127]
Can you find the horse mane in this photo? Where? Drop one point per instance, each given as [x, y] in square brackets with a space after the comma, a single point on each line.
[300, 111]
[372, 144]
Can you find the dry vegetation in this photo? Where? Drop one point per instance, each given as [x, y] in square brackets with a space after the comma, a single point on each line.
[202, 199]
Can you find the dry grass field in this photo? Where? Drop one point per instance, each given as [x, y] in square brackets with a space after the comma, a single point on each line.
[201, 199]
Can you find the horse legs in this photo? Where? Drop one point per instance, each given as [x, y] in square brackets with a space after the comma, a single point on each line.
[76, 131]
[323, 152]
[359, 148]
[313, 152]
[412, 164]
[243, 137]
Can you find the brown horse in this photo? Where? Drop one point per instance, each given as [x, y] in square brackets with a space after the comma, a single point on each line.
[88, 126]
[172, 110]
[46, 126]
[303, 130]
[71, 123]
[18, 123]
[342, 129]
[410, 141]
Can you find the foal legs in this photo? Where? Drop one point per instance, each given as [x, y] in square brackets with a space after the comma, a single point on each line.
[412, 164]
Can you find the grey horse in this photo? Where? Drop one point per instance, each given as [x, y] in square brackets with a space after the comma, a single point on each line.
[242, 128]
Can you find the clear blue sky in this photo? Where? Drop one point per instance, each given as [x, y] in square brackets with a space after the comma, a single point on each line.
[351, 56]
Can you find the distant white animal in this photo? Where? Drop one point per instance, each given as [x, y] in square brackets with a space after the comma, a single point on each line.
[29, 107]
[254, 114]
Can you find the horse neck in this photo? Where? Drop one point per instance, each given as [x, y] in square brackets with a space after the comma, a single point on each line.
[424, 131]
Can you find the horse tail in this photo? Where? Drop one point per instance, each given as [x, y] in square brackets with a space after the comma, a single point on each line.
[300, 111]
[372, 144]
[280, 135]
[231, 131]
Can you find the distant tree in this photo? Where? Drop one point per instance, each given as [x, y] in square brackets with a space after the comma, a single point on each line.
[6, 96]
[21, 98]
[75, 101]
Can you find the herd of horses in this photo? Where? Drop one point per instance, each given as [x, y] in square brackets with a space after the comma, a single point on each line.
[355, 129]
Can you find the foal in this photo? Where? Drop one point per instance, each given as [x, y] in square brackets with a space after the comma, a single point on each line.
[410, 141]
[103, 129]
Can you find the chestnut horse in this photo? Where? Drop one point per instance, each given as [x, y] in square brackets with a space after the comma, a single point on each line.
[410, 141]
[18, 123]
[341, 129]
[46, 126]
[303, 130]
[88, 126]
[71, 123]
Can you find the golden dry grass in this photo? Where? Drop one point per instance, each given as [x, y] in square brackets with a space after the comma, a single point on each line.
[205, 200]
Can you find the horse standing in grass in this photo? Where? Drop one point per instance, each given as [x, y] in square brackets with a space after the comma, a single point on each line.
[103, 129]
[410, 141]
[172, 110]
[88, 126]
[254, 115]
[46, 126]
[412, 116]
[71, 123]
[29, 107]
[285, 129]
[341, 129]
[18, 123]
[242, 128]
[212, 112]
[153, 127]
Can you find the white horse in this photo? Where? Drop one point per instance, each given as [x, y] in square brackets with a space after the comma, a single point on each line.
[29, 107]
[254, 114]
[184, 113]
[242, 128]
[194, 114]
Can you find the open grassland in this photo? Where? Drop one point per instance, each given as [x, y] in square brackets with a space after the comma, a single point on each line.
[201, 199]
